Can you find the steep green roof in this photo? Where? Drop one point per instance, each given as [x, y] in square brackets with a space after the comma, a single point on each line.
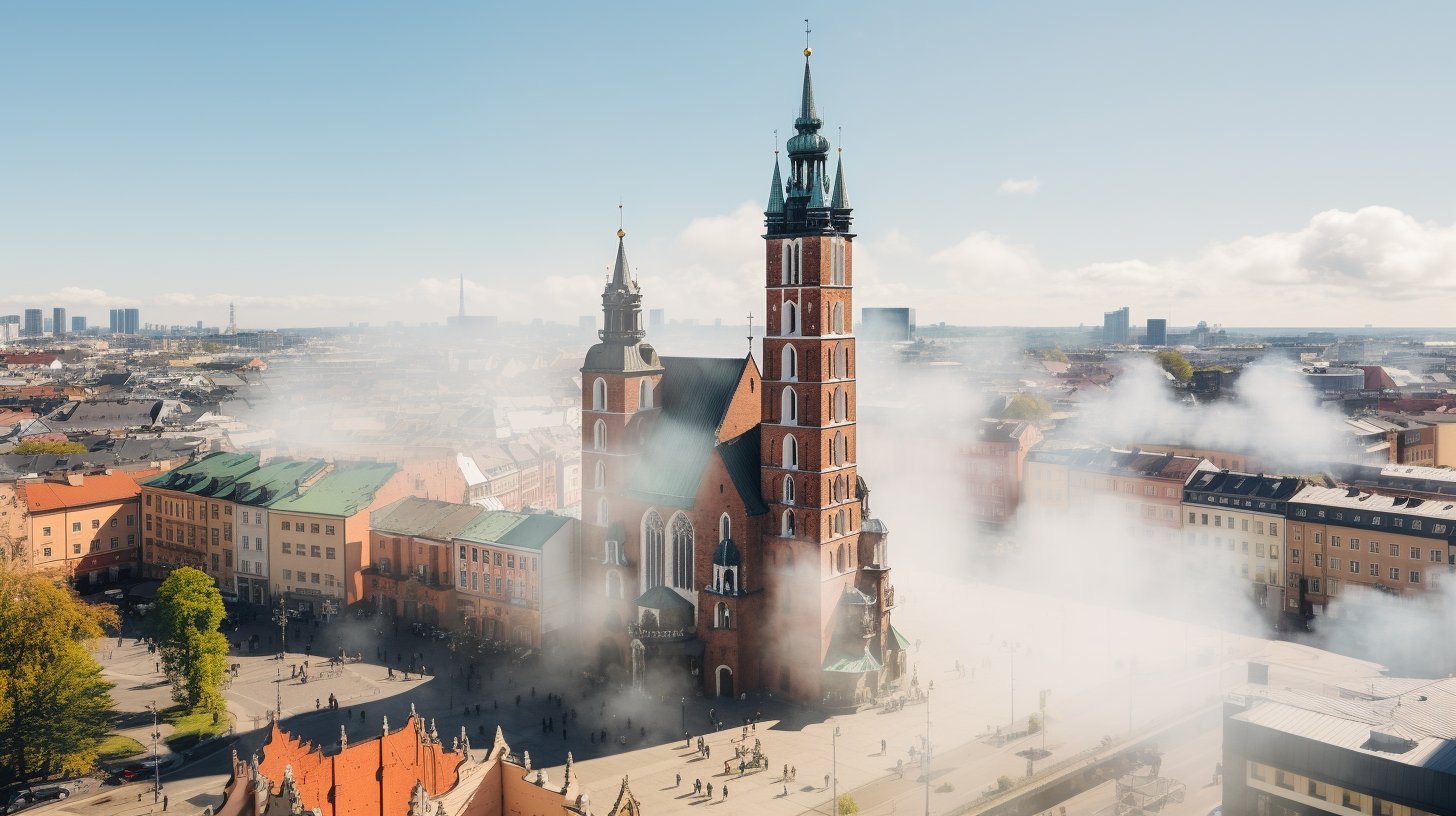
[852, 664]
[519, 530]
[741, 457]
[696, 393]
[343, 492]
[662, 598]
[776, 190]
[412, 515]
[840, 200]
[212, 475]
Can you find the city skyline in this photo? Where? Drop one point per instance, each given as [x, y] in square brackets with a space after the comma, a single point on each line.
[1264, 175]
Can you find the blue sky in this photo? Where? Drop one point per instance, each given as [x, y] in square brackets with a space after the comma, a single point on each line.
[1028, 163]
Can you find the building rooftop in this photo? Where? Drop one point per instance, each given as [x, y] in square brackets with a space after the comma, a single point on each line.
[349, 488]
[1245, 485]
[1407, 721]
[1354, 498]
[412, 515]
[519, 530]
[213, 475]
[46, 497]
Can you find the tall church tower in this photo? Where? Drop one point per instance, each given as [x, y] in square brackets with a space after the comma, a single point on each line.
[832, 585]
[620, 378]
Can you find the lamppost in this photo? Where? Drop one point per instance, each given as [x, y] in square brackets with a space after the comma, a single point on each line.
[834, 772]
[929, 688]
[685, 715]
[282, 619]
[1011, 649]
[156, 759]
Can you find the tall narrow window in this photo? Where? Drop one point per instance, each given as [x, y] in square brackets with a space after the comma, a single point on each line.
[652, 549]
[644, 394]
[682, 552]
[791, 318]
[599, 436]
[839, 318]
[839, 448]
[790, 367]
[725, 528]
[798, 274]
[789, 409]
[602, 509]
[791, 452]
[599, 395]
[841, 404]
[786, 263]
[841, 362]
[601, 475]
[788, 490]
[787, 526]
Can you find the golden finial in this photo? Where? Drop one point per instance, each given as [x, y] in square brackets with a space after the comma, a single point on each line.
[808, 51]
[621, 233]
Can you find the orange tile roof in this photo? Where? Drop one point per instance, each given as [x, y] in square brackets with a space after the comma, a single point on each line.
[45, 497]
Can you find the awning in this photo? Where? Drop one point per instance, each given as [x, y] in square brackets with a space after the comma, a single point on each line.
[859, 664]
[901, 642]
[661, 598]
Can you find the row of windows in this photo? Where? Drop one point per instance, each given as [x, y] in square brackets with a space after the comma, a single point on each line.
[791, 264]
[297, 526]
[1303, 786]
[255, 567]
[95, 525]
[1373, 570]
[599, 395]
[1196, 518]
[313, 551]
[789, 406]
[513, 589]
[96, 545]
[257, 543]
[310, 577]
[1374, 519]
[478, 555]
[836, 362]
[789, 324]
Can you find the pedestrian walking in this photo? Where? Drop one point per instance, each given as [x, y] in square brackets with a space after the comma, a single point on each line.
[793, 771]
[677, 781]
[786, 790]
[165, 802]
[710, 790]
[826, 781]
[882, 747]
[725, 791]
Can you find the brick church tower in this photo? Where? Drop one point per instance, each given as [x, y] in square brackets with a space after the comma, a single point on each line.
[826, 556]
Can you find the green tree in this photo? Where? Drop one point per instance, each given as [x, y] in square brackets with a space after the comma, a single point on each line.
[48, 446]
[194, 654]
[1051, 354]
[55, 707]
[1027, 407]
[847, 806]
[1176, 364]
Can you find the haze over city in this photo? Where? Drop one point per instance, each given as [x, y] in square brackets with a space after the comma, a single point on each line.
[344, 162]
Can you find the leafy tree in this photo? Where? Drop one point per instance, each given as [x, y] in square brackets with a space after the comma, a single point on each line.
[55, 707]
[847, 806]
[1176, 364]
[1051, 354]
[194, 654]
[48, 446]
[1027, 407]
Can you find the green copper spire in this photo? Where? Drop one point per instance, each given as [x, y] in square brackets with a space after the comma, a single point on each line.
[622, 273]
[840, 201]
[776, 189]
[807, 114]
[816, 189]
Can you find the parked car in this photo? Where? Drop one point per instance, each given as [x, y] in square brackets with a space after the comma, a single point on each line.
[21, 800]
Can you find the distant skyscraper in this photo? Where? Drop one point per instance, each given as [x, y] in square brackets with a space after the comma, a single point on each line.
[34, 325]
[48, 327]
[116, 319]
[1157, 331]
[132, 321]
[1115, 326]
[58, 322]
[892, 323]
[78, 324]
[656, 318]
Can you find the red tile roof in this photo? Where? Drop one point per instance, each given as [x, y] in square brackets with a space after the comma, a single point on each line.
[46, 497]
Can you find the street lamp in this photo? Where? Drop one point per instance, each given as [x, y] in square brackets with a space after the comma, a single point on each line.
[685, 716]
[834, 772]
[1011, 650]
[928, 689]
[282, 655]
[156, 759]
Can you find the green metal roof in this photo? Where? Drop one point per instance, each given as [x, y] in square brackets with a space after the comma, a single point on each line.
[273, 480]
[852, 664]
[489, 527]
[776, 190]
[412, 515]
[345, 491]
[212, 475]
[534, 531]
[840, 200]
[741, 457]
[662, 598]
[696, 393]
[900, 639]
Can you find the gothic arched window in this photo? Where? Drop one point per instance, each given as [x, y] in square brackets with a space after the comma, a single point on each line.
[789, 409]
[721, 617]
[841, 404]
[601, 481]
[790, 368]
[836, 275]
[791, 452]
[788, 490]
[682, 552]
[839, 445]
[725, 527]
[791, 318]
[841, 362]
[786, 528]
[839, 318]
[797, 277]
[614, 584]
[602, 511]
[599, 436]
[786, 263]
[599, 395]
[644, 394]
[652, 550]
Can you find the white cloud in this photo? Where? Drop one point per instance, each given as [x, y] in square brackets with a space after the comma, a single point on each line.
[1025, 186]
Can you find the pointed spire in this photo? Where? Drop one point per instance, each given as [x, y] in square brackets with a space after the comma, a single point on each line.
[776, 190]
[622, 273]
[816, 189]
[840, 201]
[807, 113]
